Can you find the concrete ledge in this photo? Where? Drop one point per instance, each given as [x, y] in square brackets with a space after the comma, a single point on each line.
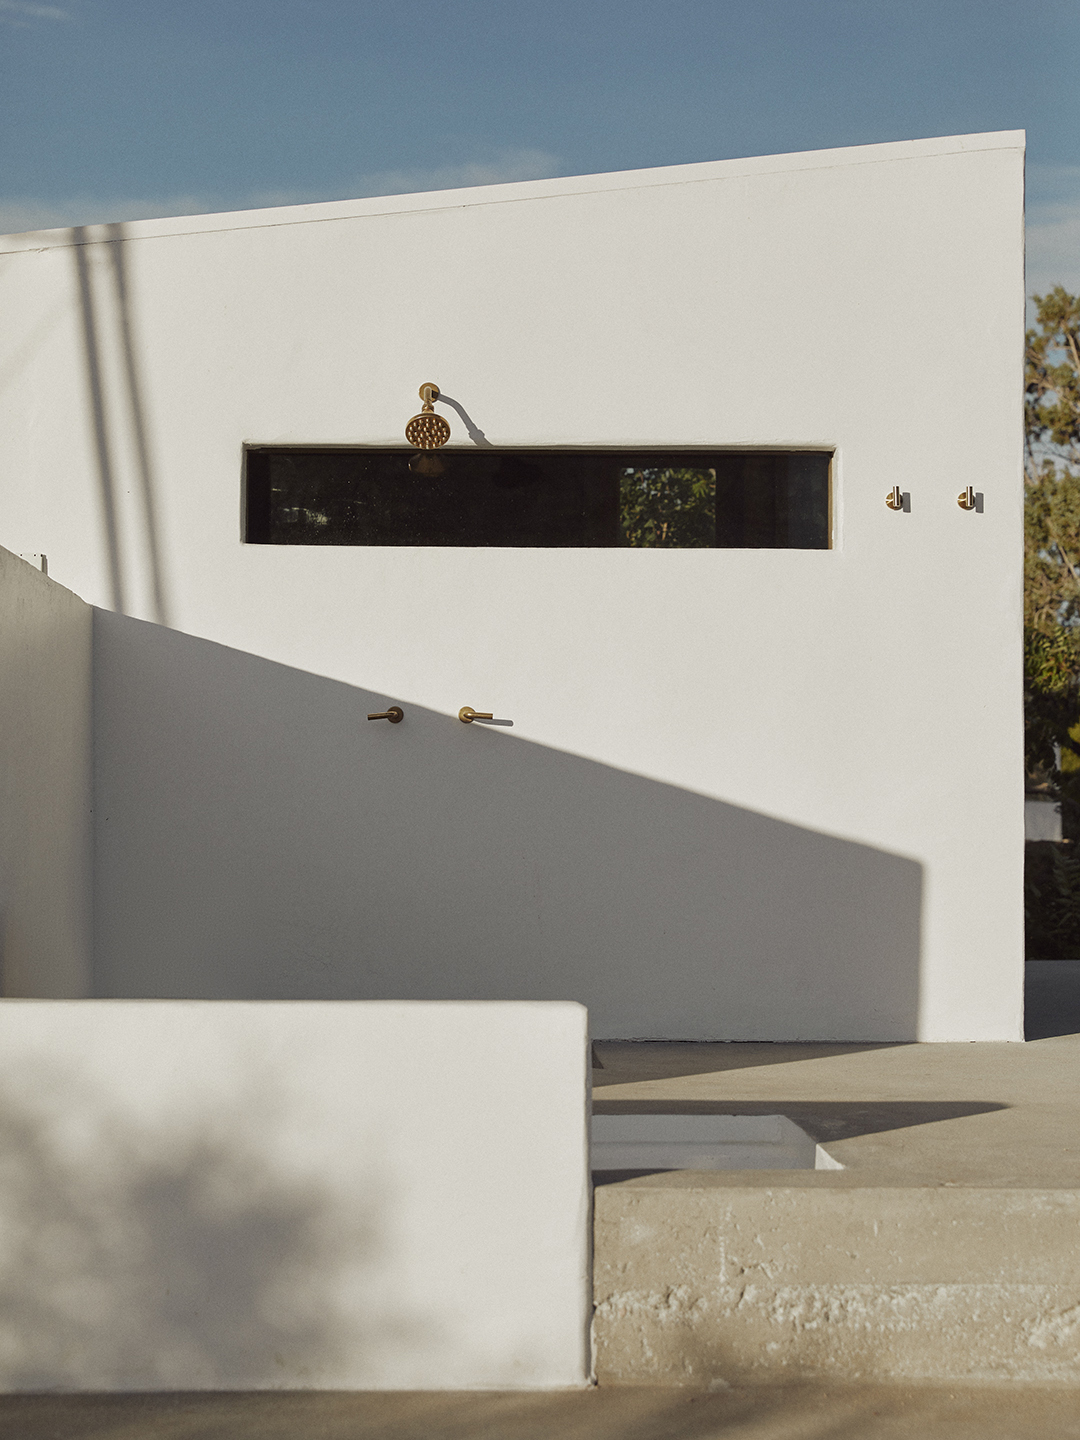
[735, 1283]
[946, 1250]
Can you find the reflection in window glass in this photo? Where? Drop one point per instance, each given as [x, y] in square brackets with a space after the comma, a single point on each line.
[673, 507]
[772, 500]
[552, 498]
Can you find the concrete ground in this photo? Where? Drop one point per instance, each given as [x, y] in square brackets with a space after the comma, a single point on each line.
[780, 1412]
[1000, 1115]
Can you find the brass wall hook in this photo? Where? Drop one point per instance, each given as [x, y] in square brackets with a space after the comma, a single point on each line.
[895, 498]
[467, 715]
[967, 499]
[428, 431]
[395, 715]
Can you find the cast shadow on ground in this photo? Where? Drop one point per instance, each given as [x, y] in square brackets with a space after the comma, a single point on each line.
[257, 837]
[622, 1063]
[793, 1410]
[823, 1120]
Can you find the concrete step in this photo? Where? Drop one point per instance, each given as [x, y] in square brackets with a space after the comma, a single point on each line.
[947, 1249]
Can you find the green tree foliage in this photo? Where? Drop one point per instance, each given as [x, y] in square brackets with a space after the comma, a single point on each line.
[1052, 901]
[1051, 699]
[1052, 616]
[668, 507]
[1052, 538]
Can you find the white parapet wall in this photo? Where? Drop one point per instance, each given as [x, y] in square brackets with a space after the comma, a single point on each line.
[45, 785]
[748, 793]
[202, 1195]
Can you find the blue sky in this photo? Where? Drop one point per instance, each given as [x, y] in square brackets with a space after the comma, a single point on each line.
[119, 109]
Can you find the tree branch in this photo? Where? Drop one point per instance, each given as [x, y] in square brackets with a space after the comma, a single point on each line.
[1064, 556]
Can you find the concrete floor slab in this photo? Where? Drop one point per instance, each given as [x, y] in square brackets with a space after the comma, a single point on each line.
[779, 1412]
[1003, 1115]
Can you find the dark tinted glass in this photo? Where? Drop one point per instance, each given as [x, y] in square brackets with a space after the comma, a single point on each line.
[678, 500]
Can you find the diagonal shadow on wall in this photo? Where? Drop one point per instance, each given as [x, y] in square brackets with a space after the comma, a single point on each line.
[257, 837]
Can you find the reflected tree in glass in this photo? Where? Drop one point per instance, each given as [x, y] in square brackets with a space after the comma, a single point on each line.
[668, 507]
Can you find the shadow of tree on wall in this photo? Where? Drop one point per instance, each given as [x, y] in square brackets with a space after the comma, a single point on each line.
[257, 837]
[177, 1257]
[108, 325]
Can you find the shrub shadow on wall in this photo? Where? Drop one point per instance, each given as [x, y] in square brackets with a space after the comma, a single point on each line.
[177, 1256]
[257, 837]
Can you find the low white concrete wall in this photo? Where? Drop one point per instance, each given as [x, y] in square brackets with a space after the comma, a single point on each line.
[45, 799]
[354, 1196]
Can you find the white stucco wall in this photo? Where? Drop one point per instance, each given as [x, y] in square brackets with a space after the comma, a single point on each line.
[45, 785]
[241, 1196]
[748, 794]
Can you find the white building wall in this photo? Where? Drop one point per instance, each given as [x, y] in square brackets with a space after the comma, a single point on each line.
[347, 1196]
[45, 785]
[831, 740]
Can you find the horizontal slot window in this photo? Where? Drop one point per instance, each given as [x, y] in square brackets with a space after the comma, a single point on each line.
[675, 500]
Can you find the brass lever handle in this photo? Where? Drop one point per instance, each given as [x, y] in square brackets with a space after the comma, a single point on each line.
[467, 715]
[395, 715]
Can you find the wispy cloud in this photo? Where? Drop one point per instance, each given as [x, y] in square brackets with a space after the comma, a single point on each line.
[512, 165]
[21, 213]
[22, 13]
[1053, 249]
